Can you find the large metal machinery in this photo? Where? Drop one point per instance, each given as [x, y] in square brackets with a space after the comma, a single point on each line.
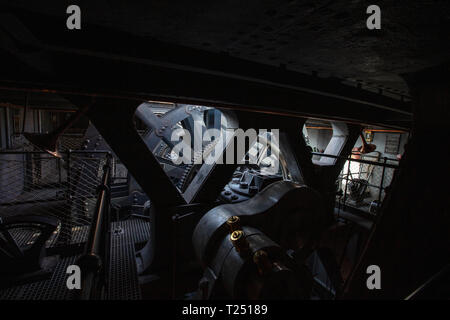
[257, 248]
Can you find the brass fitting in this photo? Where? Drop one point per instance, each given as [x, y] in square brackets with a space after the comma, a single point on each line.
[234, 223]
[261, 259]
[237, 237]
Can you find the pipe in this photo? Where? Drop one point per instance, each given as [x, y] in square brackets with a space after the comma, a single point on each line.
[91, 263]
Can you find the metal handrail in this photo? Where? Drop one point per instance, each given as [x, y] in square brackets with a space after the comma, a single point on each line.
[92, 263]
[385, 164]
[425, 291]
[43, 152]
[42, 155]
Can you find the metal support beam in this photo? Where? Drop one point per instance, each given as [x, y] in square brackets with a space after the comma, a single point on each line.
[211, 178]
[114, 121]
[410, 241]
[207, 78]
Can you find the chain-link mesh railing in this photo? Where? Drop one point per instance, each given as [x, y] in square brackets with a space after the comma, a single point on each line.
[65, 142]
[363, 181]
[35, 183]
[70, 142]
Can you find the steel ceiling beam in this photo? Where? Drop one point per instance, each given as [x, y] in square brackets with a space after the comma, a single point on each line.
[142, 68]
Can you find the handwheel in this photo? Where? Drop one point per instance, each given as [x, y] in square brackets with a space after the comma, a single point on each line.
[16, 258]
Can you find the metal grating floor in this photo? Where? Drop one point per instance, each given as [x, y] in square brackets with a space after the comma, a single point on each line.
[26, 236]
[123, 278]
[134, 230]
[53, 288]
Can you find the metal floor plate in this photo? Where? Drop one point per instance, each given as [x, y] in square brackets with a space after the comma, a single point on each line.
[123, 278]
[53, 288]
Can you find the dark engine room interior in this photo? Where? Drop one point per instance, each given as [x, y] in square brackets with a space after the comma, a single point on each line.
[221, 151]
